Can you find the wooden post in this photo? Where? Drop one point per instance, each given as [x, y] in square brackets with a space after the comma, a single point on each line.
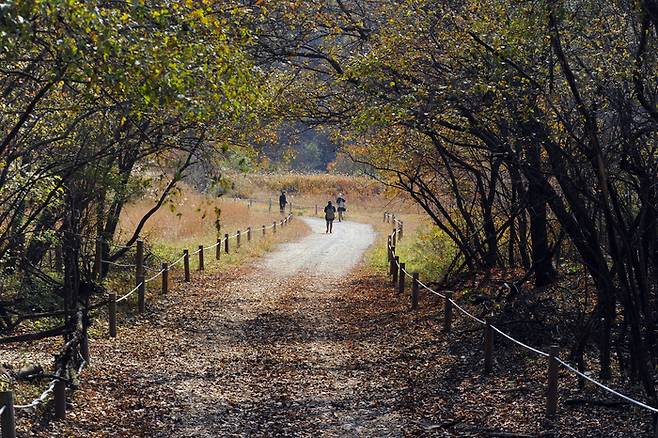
[139, 262]
[112, 313]
[237, 245]
[263, 230]
[218, 249]
[388, 250]
[165, 278]
[226, 243]
[201, 265]
[274, 228]
[447, 312]
[60, 399]
[401, 276]
[396, 262]
[141, 297]
[186, 264]
[98, 259]
[414, 291]
[552, 384]
[248, 234]
[139, 280]
[391, 265]
[488, 346]
[270, 209]
[8, 419]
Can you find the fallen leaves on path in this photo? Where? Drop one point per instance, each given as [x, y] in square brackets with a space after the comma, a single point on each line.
[250, 353]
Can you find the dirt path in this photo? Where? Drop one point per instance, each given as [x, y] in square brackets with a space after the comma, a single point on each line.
[291, 346]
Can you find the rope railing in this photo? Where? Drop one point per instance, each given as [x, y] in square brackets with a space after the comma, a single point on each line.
[395, 263]
[140, 267]
[139, 289]
[42, 398]
[126, 296]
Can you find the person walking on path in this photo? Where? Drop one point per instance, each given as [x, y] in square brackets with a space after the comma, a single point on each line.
[282, 202]
[329, 216]
[340, 202]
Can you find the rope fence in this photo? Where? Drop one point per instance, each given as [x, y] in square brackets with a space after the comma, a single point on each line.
[57, 386]
[398, 272]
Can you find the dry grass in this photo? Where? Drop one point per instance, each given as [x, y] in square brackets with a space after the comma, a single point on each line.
[190, 219]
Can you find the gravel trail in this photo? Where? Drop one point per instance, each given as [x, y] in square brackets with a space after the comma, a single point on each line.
[320, 253]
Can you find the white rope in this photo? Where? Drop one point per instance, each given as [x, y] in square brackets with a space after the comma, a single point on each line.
[177, 261]
[602, 386]
[154, 277]
[407, 273]
[473, 317]
[195, 252]
[516, 341]
[121, 265]
[219, 242]
[125, 297]
[41, 398]
[2, 410]
[535, 350]
[429, 289]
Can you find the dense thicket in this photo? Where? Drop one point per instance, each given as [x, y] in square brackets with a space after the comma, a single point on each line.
[527, 130]
[101, 102]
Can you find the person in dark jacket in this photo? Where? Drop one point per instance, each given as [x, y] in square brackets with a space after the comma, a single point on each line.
[282, 202]
[329, 216]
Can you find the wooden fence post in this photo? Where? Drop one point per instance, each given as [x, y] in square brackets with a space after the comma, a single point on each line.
[237, 240]
[414, 291]
[388, 250]
[165, 278]
[226, 243]
[201, 265]
[270, 209]
[392, 261]
[274, 228]
[8, 419]
[186, 264]
[112, 313]
[447, 312]
[218, 249]
[139, 280]
[394, 237]
[139, 262]
[248, 234]
[401, 276]
[488, 345]
[552, 384]
[263, 230]
[396, 262]
[60, 399]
